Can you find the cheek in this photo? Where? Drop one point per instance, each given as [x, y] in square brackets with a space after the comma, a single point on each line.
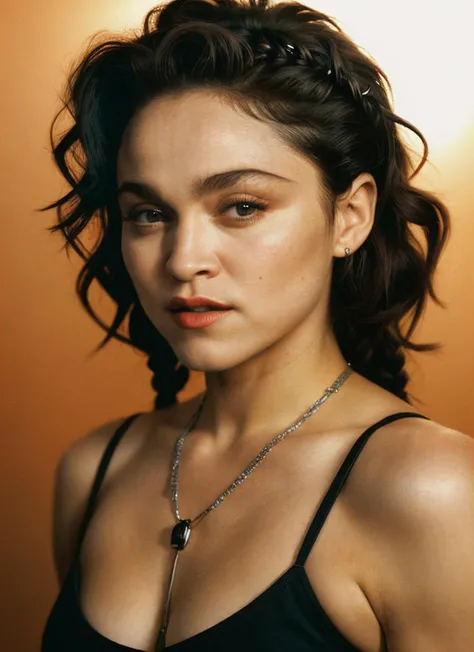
[284, 264]
[140, 261]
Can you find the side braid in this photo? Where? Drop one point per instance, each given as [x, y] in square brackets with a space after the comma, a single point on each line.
[169, 375]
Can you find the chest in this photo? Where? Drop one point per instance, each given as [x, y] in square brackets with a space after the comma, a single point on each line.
[233, 556]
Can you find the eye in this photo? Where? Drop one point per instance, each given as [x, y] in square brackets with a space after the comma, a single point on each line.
[132, 217]
[248, 205]
[251, 205]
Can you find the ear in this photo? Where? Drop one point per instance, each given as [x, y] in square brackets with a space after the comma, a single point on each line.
[354, 215]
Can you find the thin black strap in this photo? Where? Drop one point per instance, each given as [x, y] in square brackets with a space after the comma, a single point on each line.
[100, 473]
[339, 480]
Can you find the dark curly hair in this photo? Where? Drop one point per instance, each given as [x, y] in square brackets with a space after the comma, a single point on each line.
[223, 45]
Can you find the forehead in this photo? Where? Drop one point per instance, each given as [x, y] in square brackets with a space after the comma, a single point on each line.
[196, 133]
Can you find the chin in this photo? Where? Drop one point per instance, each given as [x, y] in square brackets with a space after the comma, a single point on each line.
[211, 358]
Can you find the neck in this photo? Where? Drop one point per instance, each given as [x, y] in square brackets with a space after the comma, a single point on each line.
[260, 399]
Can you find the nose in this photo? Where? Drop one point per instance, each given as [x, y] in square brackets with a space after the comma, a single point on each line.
[190, 250]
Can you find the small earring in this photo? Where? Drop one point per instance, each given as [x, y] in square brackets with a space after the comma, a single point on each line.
[347, 251]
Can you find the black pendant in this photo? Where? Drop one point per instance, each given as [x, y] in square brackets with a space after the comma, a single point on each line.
[161, 642]
[180, 534]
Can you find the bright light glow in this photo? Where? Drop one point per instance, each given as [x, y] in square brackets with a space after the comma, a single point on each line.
[424, 46]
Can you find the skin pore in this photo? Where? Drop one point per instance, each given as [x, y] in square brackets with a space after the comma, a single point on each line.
[275, 353]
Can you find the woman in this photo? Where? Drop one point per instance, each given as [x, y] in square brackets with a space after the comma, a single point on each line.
[256, 220]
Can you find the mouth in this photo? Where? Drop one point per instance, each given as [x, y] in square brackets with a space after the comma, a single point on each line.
[196, 303]
[203, 309]
[193, 318]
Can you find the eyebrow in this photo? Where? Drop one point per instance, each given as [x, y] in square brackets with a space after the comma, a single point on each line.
[200, 186]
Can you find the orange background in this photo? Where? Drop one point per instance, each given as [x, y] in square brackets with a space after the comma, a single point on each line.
[52, 392]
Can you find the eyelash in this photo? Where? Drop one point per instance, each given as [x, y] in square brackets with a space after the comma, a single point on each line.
[260, 206]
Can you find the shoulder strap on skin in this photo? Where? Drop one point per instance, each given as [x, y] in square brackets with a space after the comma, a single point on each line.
[339, 480]
[101, 470]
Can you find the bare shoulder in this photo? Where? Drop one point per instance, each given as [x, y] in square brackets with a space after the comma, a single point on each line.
[411, 462]
[74, 476]
[79, 462]
[415, 498]
[77, 467]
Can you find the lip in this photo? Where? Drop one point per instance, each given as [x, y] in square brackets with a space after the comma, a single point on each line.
[178, 303]
[198, 319]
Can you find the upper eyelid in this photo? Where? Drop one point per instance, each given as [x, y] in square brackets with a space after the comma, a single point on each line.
[241, 197]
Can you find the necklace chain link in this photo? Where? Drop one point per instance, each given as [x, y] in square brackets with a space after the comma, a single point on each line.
[182, 530]
[257, 459]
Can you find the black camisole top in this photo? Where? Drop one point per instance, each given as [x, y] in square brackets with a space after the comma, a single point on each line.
[286, 617]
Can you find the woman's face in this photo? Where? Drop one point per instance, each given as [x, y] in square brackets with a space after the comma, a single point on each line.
[271, 264]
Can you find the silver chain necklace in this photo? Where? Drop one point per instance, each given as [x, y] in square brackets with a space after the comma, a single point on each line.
[181, 532]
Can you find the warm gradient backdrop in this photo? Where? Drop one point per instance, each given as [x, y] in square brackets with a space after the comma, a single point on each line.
[52, 392]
